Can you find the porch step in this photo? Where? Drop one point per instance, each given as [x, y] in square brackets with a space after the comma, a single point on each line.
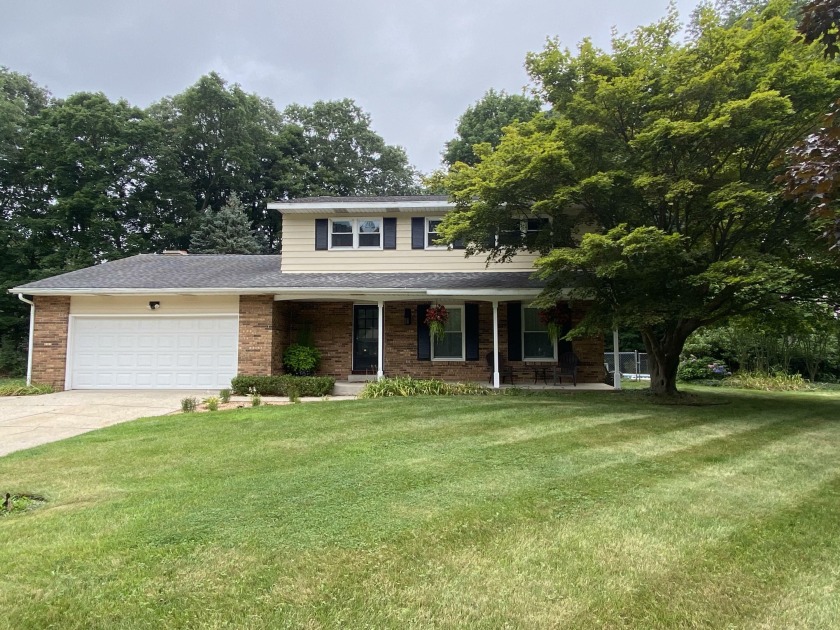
[343, 388]
[361, 378]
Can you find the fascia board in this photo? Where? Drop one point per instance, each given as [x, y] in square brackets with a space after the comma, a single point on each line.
[359, 206]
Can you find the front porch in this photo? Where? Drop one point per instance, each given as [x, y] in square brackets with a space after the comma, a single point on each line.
[362, 338]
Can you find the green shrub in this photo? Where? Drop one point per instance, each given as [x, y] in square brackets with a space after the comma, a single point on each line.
[284, 384]
[702, 369]
[189, 404]
[212, 403]
[20, 388]
[407, 386]
[301, 360]
[256, 399]
[777, 382]
[224, 396]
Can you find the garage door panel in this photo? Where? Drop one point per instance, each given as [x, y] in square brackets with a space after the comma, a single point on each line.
[154, 352]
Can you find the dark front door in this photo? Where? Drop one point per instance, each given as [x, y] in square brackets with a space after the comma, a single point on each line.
[365, 338]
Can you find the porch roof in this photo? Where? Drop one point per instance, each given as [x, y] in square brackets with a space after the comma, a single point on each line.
[244, 274]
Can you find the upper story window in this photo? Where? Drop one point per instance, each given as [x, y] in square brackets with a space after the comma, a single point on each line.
[536, 344]
[432, 233]
[522, 231]
[364, 233]
[450, 347]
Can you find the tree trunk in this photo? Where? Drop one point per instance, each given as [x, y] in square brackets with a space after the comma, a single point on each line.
[664, 348]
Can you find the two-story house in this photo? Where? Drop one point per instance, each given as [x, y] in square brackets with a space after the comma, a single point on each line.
[355, 279]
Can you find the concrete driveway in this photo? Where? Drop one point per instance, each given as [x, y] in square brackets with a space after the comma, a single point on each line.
[27, 421]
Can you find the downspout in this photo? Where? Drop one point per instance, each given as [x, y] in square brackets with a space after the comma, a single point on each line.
[31, 336]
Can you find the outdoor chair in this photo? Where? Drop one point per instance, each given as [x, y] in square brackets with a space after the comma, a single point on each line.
[566, 366]
[505, 370]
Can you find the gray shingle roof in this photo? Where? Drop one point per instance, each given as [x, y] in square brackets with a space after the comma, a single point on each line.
[209, 271]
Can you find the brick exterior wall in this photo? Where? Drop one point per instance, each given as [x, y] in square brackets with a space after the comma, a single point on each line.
[331, 328]
[256, 334]
[49, 347]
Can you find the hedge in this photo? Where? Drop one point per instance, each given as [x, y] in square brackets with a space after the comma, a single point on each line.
[283, 385]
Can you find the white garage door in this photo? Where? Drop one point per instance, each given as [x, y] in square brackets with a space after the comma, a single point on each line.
[153, 352]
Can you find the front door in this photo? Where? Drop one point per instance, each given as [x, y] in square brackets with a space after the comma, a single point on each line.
[365, 338]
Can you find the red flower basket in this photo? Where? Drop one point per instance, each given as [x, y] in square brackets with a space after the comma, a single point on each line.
[554, 318]
[436, 318]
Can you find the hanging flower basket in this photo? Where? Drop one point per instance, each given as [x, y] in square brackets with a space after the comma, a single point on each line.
[554, 318]
[436, 318]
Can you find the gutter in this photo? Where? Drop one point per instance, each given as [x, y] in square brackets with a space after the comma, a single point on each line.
[31, 336]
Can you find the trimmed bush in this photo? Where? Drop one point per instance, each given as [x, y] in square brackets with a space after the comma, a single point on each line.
[301, 360]
[407, 386]
[283, 385]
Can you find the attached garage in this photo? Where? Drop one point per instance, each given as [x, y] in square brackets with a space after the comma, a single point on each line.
[151, 352]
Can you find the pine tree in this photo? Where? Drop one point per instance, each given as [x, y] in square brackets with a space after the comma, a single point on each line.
[226, 231]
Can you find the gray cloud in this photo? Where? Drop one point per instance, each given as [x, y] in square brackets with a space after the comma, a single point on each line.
[415, 67]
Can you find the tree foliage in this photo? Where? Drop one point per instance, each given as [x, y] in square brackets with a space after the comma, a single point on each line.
[342, 155]
[85, 179]
[225, 231]
[483, 123]
[813, 174]
[656, 166]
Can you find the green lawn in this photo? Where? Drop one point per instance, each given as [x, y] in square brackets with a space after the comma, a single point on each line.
[579, 510]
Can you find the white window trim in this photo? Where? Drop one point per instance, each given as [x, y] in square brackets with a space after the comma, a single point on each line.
[462, 358]
[355, 223]
[426, 234]
[553, 359]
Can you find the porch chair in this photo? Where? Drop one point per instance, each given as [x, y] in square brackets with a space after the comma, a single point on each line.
[567, 366]
[505, 370]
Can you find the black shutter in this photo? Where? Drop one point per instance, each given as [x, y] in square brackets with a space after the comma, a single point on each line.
[514, 325]
[424, 339]
[418, 233]
[389, 233]
[459, 244]
[562, 344]
[322, 236]
[471, 330]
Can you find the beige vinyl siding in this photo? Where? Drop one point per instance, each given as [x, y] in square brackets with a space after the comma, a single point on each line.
[300, 255]
[169, 305]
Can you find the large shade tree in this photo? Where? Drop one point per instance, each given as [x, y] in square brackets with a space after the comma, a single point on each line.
[227, 140]
[342, 155]
[656, 165]
[483, 122]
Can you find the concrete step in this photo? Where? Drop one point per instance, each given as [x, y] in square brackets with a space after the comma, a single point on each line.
[344, 388]
[361, 378]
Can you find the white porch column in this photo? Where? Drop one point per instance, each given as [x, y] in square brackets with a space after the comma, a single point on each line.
[380, 342]
[616, 357]
[495, 344]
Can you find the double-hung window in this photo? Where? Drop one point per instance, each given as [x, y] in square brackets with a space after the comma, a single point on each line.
[356, 233]
[536, 344]
[432, 234]
[450, 347]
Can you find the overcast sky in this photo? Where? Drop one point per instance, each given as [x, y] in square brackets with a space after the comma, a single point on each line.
[413, 66]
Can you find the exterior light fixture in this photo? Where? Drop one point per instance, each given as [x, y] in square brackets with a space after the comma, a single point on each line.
[153, 306]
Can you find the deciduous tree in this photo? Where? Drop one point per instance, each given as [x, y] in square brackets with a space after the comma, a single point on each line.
[656, 164]
[484, 121]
